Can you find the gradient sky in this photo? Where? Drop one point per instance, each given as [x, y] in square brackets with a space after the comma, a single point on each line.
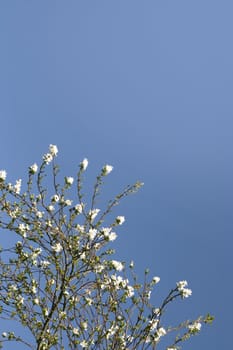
[147, 87]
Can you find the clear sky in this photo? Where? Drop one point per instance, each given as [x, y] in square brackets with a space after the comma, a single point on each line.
[145, 86]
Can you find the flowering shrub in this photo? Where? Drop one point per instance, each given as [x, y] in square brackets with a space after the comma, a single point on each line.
[58, 279]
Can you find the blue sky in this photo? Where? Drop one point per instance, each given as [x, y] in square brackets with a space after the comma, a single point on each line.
[147, 87]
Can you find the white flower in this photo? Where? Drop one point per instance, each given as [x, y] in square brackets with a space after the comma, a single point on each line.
[38, 197]
[131, 265]
[120, 220]
[20, 300]
[93, 213]
[112, 330]
[99, 268]
[105, 231]
[13, 287]
[68, 202]
[83, 256]
[17, 186]
[39, 214]
[4, 334]
[161, 332]
[117, 265]
[69, 180]
[80, 228]
[53, 150]
[181, 284]
[195, 327]
[36, 253]
[47, 158]
[107, 169]
[156, 311]
[84, 344]
[92, 233]
[62, 315]
[66, 293]
[57, 247]
[76, 331]
[55, 198]
[44, 263]
[34, 262]
[23, 229]
[36, 301]
[3, 174]
[33, 168]
[49, 224]
[130, 291]
[9, 186]
[89, 301]
[34, 289]
[51, 208]
[84, 325]
[156, 279]
[83, 165]
[45, 311]
[78, 208]
[153, 324]
[112, 236]
[185, 293]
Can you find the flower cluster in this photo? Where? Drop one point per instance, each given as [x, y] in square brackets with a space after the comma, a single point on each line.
[185, 292]
[59, 278]
[48, 157]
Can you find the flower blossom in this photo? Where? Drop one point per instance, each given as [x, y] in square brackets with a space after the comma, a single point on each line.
[153, 324]
[20, 300]
[55, 198]
[76, 331]
[51, 208]
[57, 247]
[84, 344]
[44, 263]
[47, 158]
[156, 279]
[39, 214]
[83, 165]
[68, 202]
[3, 174]
[184, 292]
[195, 327]
[161, 332]
[23, 229]
[107, 169]
[36, 301]
[53, 150]
[78, 208]
[120, 220]
[34, 289]
[112, 236]
[93, 213]
[129, 291]
[69, 180]
[117, 265]
[33, 168]
[17, 186]
[92, 233]
[108, 235]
